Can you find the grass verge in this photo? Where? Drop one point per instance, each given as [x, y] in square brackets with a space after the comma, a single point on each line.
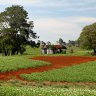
[16, 62]
[85, 72]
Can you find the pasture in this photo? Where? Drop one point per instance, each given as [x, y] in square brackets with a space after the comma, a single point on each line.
[78, 71]
[85, 72]
[16, 62]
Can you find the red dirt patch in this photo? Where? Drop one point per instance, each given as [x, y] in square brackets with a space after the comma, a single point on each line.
[57, 62]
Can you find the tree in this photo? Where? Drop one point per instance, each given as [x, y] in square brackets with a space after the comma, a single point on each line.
[71, 43]
[38, 43]
[61, 42]
[87, 38]
[15, 30]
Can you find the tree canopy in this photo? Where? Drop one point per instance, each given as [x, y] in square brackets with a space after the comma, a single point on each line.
[87, 37]
[61, 42]
[15, 30]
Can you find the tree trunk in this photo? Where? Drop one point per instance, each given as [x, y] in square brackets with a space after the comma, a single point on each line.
[94, 49]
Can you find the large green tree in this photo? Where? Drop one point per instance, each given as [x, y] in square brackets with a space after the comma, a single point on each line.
[87, 37]
[15, 30]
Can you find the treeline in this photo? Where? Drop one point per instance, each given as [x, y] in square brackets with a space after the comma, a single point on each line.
[69, 43]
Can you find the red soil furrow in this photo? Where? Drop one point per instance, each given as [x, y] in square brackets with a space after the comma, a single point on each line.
[57, 62]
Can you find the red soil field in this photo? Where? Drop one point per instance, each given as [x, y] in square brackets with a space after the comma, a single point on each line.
[56, 61]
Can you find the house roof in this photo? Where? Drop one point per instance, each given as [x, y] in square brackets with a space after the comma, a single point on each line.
[60, 47]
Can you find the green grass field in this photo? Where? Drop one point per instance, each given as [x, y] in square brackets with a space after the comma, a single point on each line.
[12, 63]
[85, 72]
[78, 73]
[77, 51]
[45, 91]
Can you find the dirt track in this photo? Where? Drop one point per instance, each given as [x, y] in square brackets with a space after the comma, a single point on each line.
[57, 62]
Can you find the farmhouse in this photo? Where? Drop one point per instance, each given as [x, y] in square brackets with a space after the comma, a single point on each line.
[52, 49]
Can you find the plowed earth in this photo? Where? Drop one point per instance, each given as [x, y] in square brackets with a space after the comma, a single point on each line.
[56, 61]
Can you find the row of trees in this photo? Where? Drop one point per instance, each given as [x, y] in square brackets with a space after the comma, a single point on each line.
[15, 31]
[70, 42]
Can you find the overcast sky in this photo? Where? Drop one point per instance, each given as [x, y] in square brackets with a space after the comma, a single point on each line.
[54, 19]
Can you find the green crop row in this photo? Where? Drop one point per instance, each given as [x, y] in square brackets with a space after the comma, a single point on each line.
[85, 72]
[36, 91]
[17, 62]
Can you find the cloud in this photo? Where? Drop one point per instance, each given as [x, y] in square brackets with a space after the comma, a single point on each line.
[80, 9]
[58, 24]
[20, 2]
[80, 19]
[68, 28]
[89, 1]
[53, 6]
[54, 25]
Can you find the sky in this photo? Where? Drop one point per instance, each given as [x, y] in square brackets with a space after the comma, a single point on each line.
[54, 19]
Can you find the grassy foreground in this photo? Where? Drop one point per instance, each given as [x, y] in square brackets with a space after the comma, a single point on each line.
[69, 73]
[12, 63]
[85, 72]
[46, 91]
